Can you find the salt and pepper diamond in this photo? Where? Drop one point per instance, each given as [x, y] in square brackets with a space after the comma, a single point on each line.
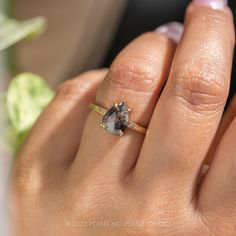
[116, 119]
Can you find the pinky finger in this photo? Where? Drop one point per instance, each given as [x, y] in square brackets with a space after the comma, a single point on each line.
[54, 140]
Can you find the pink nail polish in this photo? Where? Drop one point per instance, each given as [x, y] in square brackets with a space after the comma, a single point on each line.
[215, 4]
[172, 30]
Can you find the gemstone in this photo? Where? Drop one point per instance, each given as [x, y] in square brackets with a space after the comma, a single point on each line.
[116, 119]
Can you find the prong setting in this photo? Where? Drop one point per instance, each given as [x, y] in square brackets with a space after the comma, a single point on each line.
[116, 119]
[103, 125]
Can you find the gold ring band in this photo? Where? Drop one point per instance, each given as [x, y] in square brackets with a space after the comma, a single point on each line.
[121, 112]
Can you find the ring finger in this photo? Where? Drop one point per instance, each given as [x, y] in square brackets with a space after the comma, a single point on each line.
[136, 77]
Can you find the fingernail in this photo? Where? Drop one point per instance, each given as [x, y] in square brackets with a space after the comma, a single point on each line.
[215, 4]
[172, 30]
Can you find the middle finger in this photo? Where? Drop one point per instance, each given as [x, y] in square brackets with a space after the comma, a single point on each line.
[190, 108]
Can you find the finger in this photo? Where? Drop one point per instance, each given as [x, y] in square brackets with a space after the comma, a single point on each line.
[218, 193]
[135, 77]
[54, 140]
[190, 108]
[224, 125]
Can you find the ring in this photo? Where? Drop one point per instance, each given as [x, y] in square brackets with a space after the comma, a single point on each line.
[116, 119]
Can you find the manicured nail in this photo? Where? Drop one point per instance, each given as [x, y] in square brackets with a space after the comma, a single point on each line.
[215, 4]
[172, 30]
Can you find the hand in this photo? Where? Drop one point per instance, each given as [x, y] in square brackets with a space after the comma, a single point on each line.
[73, 178]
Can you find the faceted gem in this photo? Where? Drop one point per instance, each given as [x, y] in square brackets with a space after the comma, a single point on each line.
[116, 119]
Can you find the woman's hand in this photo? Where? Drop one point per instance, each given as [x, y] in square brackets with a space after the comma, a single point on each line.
[73, 178]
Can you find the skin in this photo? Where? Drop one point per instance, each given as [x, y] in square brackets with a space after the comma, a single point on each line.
[70, 174]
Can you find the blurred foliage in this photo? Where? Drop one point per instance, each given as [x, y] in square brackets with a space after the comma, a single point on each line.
[28, 94]
[12, 31]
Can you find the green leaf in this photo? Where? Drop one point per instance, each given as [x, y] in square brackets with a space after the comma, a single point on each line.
[27, 96]
[12, 31]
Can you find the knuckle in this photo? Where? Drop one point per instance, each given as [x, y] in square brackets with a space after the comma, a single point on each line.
[216, 18]
[202, 86]
[218, 21]
[211, 17]
[72, 90]
[134, 73]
